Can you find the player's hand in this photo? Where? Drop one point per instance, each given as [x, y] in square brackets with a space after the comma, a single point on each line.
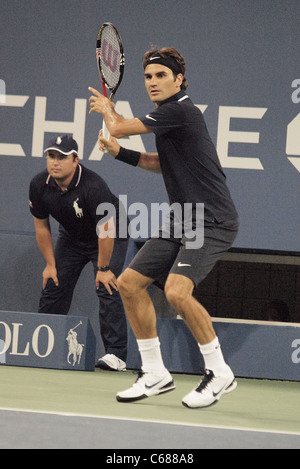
[108, 279]
[99, 103]
[50, 272]
[110, 146]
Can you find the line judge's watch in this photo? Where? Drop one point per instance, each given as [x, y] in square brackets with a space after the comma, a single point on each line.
[104, 268]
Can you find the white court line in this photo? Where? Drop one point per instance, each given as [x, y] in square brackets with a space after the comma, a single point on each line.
[160, 422]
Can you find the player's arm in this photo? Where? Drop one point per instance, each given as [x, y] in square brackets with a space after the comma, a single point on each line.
[147, 161]
[44, 241]
[116, 124]
[150, 162]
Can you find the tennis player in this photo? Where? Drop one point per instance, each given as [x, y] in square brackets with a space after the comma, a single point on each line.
[192, 173]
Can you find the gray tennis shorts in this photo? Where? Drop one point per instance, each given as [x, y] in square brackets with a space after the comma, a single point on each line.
[162, 256]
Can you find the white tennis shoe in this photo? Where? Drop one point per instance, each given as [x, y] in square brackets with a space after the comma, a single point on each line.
[210, 390]
[111, 362]
[147, 384]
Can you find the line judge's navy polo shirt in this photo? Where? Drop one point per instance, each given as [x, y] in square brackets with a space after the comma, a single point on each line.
[74, 209]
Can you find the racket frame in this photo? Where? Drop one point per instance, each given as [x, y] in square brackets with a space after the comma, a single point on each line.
[104, 83]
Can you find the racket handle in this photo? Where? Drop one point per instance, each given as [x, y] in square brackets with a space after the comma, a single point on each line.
[105, 132]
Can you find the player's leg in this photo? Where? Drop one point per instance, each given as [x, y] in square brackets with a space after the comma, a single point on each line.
[154, 378]
[137, 302]
[189, 269]
[153, 260]
[151, 263]
[179, 292]
[219, 377]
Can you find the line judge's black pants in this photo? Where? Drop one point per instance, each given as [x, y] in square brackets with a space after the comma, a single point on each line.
[70, 259]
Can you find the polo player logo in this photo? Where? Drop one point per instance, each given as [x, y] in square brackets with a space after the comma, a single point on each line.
[75, 348]
[110, 56]
[78, 210]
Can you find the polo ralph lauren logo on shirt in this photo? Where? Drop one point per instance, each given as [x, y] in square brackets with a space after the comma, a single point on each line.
[78, 210]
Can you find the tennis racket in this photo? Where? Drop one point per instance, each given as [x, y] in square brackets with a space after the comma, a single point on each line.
[110, 62]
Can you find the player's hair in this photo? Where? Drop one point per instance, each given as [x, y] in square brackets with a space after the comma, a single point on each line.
[165, 53]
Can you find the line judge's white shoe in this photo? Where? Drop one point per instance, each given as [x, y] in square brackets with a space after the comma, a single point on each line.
[147, 385]
[210, 390]
[111, 363]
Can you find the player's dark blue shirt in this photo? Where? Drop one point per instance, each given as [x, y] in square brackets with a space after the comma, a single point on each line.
[189, 162]
[74, 209]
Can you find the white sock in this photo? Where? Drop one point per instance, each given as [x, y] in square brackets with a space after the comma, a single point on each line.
[151, 355]
[213, 358]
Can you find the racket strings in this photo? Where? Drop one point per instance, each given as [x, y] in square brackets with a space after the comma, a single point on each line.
[110, 58]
